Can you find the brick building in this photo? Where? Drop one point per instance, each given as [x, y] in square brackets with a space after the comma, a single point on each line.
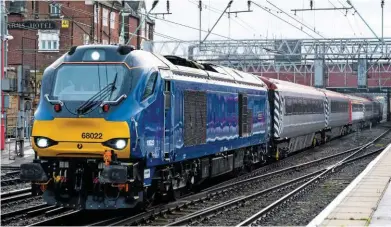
[44, 30]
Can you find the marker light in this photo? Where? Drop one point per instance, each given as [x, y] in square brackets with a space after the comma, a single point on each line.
[106, 107]
[95, 55]
[42, 142]
[57, 107]
[120, 144]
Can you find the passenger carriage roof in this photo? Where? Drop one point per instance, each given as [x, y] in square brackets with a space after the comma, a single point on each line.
[356, 99]
[282, 86]
[334, 94]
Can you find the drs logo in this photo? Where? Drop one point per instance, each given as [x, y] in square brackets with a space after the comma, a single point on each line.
[92, 135]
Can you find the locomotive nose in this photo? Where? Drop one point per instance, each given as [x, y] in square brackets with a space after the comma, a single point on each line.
[73, 137]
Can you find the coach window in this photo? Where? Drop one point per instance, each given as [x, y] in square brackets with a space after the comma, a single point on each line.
[311, 104]
[294, 106]
[288, 108]
[300, 106]
[150, 86]
[305, 105]
[319, 105]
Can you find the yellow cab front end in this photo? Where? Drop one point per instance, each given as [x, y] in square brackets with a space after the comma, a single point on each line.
[80, 137]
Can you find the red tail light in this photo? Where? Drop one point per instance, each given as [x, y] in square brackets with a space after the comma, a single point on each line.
[106, 107]
[57, 107]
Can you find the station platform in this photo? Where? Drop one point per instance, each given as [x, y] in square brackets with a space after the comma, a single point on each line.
[367, 199]
[10, 158]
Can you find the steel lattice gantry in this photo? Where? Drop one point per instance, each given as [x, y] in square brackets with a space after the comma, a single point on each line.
[333, 63]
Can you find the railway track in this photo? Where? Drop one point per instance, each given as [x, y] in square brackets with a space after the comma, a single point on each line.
[9, 168]
[11, 181]
[41, 214]
[15, 195]
[10, 178]
[15, 213]
[190, 208]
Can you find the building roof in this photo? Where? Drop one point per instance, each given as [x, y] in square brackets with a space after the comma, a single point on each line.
[135, 4]
[135, 7]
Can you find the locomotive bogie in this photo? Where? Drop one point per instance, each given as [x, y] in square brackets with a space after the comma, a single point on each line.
[86, 183]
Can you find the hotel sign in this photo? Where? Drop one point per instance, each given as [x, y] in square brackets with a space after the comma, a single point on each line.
[35, 25]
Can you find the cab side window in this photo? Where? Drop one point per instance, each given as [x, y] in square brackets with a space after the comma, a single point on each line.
[150, 86]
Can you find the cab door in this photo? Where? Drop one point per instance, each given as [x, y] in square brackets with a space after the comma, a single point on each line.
[168, 122]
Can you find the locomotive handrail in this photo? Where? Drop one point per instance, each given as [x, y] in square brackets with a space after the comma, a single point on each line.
[51, 101]
[115, 101]
[135, 127]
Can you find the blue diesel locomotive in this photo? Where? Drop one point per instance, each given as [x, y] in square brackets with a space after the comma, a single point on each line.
[117, 127]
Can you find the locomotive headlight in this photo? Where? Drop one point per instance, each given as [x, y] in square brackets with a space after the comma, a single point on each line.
[42, 142]
[95, 55]
[120, 144]
[117, 143]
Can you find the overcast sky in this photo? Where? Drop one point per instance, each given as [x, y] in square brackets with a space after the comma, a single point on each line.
[261, 24]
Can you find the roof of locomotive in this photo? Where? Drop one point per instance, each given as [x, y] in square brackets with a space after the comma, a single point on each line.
[141, 58]
[107, 53]
[210, 71]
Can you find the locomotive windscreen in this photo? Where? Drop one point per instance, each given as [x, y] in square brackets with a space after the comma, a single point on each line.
[79, 82]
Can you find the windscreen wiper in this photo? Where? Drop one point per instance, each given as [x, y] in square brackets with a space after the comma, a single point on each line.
[112, 90]
[102, 94]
